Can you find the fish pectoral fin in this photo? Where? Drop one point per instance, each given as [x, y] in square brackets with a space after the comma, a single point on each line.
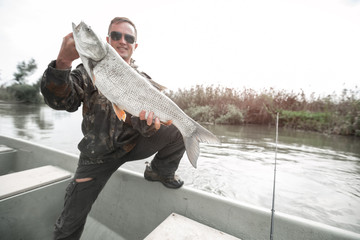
[167, 123]
[119, 113]
[93, 76]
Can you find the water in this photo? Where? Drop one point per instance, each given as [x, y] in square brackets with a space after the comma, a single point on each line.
[318, 177]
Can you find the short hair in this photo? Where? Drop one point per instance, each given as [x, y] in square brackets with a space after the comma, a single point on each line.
[117, 20]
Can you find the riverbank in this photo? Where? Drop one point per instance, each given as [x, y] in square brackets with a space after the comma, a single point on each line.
[332, 114]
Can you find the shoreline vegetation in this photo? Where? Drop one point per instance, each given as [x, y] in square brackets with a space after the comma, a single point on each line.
[332, 114]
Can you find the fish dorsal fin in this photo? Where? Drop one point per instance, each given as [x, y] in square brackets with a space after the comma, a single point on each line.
[156, 85]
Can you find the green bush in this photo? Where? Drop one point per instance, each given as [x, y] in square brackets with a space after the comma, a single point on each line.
[4, 94]
[25, 93]
[233, 115]
[201, 113]
[315, 121]
[20, 91]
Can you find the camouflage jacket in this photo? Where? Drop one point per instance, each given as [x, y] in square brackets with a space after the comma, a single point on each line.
[105, 136]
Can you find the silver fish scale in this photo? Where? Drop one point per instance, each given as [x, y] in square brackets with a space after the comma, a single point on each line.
[126, 88]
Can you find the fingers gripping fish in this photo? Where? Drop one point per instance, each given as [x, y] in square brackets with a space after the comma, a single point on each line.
[130, 91]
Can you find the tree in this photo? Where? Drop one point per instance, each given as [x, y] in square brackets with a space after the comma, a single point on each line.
[24, 70]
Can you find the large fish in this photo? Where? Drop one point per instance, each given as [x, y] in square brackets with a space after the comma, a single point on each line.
[130, 91]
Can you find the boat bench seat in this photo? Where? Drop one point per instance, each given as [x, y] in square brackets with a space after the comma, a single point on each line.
[177, 227]
[7, 159]
[23, 181]
[5, 149]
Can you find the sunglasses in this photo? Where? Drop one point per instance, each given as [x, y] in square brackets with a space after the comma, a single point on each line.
[116, 36]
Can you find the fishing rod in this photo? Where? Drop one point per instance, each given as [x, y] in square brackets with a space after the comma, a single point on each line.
[273, 198]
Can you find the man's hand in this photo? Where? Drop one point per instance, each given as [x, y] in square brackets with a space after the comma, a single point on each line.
[67, 53]
[149, 119]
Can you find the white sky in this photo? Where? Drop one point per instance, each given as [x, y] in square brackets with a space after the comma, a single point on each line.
[312, 45]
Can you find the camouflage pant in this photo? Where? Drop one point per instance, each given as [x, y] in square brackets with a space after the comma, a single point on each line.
[79, 197]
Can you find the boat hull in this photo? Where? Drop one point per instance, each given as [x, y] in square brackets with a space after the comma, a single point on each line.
[131, 208]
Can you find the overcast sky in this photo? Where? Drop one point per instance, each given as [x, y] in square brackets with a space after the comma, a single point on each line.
[312, 45]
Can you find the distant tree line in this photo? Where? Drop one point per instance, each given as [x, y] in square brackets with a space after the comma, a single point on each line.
[20, 91]
[332, 114]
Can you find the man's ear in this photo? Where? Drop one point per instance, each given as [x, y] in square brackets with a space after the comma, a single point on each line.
[108, 40]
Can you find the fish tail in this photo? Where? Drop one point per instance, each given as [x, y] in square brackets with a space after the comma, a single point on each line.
[192, 143]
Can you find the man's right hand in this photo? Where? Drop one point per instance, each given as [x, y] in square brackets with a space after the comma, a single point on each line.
[149, 120]
[67, 53]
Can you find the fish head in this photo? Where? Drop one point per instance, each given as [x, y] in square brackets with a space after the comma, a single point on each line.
[88, 43]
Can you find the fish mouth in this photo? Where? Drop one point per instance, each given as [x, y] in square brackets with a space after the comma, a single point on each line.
[78, 27]
[75, 28]
[87, 43]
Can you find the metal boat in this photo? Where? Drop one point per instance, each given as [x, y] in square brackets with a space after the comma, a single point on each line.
[33, 179]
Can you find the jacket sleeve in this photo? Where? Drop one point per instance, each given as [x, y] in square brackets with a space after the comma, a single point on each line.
[62, 89]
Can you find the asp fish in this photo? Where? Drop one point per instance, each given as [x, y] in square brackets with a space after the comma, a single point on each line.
[129, 91]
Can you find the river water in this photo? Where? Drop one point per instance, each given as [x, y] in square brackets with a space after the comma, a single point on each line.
[317, 178]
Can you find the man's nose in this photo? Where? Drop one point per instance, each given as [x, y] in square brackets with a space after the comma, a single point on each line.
[122, 39]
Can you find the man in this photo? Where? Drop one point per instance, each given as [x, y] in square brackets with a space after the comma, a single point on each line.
[108, 142]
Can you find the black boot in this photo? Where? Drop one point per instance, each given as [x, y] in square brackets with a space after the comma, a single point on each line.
[169, 181]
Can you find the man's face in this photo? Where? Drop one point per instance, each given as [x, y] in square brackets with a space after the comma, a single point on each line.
[122, 46]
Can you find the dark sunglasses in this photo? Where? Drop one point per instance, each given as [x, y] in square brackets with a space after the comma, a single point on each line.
[116, 36]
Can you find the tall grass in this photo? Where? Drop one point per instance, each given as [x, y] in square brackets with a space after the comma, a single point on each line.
[333, 114]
